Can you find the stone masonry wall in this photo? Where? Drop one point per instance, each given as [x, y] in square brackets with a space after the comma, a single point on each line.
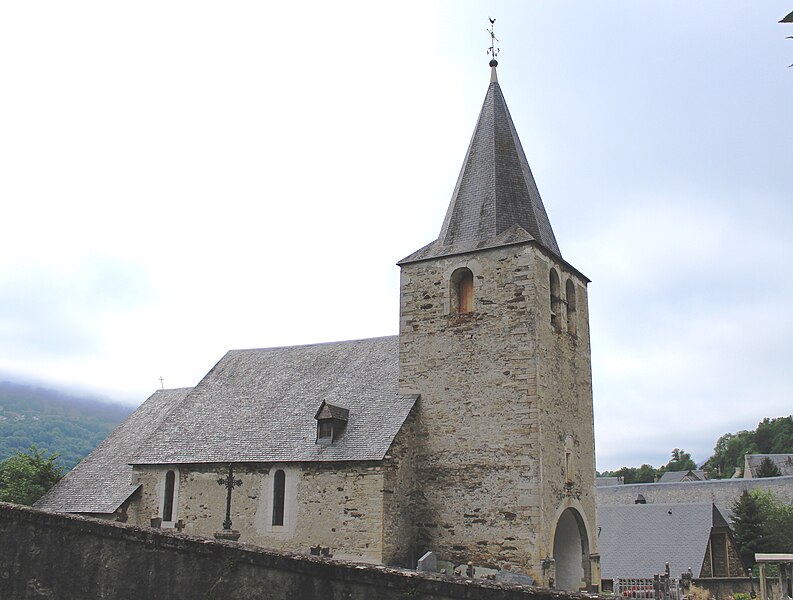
[400, 544]
[480, 459]
[722, 558]
[66, 557]
[337, 507]
[566, 419]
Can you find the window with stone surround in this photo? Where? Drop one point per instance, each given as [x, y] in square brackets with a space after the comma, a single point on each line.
[556, 301]
[279, 496]
[168, 496]
[571, 307]
[461, 291]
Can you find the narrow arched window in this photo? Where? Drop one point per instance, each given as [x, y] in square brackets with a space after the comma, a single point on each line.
[556, 301]
[569, 467]
[462, 291]
[279, 490]
[167, 503]
[571, 304]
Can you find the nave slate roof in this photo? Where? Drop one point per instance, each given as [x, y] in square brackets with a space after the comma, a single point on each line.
[496, 201]
[253, 406]
[103, 480]
[259, 406]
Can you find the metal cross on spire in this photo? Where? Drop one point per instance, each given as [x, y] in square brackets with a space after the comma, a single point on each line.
[230, 484]
[493, 50]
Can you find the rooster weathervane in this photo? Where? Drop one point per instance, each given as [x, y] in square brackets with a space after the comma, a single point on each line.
[493, 50]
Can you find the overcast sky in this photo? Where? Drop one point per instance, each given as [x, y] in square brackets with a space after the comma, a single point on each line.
[182, 178]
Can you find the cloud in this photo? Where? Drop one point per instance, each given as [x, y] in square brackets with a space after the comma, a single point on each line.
[59, 309]
[208, 180]
[688, 327]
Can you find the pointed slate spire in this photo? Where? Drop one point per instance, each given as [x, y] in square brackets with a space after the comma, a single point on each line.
[496, 201]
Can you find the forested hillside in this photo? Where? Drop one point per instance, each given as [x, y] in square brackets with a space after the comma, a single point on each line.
[772, 436]
[54, 421]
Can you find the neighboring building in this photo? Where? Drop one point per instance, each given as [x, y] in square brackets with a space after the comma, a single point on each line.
[637, 540]
[689, 475]
[469, 434]
[607, 481]
[721, 492]
[752, 462]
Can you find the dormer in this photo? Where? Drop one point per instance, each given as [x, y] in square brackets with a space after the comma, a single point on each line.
[331, 421]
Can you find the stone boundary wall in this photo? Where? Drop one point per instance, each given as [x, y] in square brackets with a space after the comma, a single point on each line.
[727, 587]
[59, 556]
[722, 492]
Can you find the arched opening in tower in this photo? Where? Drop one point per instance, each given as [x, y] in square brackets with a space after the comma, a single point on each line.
[462, 292]
[571, 552]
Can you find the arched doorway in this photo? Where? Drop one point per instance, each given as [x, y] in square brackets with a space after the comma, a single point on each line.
[571, 552]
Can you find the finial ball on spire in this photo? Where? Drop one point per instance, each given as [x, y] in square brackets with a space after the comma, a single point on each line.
[493, 62]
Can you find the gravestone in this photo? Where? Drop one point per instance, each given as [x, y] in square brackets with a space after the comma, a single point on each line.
[428, 563]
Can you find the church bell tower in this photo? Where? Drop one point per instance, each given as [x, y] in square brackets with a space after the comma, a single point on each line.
[494, 336]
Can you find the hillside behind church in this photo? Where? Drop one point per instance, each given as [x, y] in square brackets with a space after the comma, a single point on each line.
[55, 421]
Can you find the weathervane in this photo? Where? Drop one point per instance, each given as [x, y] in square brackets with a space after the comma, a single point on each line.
[230, 484]
[493, 50]
[788, 19]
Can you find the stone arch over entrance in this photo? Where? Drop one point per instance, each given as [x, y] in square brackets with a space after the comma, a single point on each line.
[571, 551]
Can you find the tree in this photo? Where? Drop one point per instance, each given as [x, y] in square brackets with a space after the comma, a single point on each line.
[748, 528]
[681, 461]
[761, 523]
[645, 474]
[767, 468]
[628, 474]
[729, 452]
[26, 476]
[774, 436]
[779, 524]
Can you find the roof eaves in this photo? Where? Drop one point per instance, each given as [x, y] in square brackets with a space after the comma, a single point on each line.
[413, 258]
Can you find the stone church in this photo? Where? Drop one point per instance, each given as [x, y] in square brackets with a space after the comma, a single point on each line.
[469, 434]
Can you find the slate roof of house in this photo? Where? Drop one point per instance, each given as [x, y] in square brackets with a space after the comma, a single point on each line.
[102, 481]
[783, 462]
[636, 540]
[259, 406]
[496, 201]
[690, 475]
[607, 481]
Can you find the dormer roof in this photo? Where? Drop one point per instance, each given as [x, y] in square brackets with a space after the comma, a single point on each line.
[331, 411]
